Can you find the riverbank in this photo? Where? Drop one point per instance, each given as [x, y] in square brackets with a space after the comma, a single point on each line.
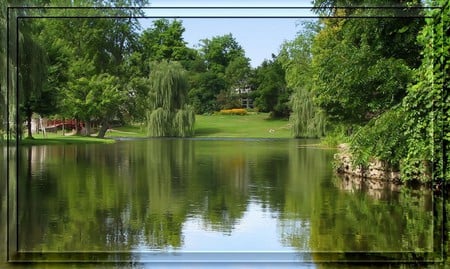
[209, 126]
[375, 171]
[59, 139]
[223, 126]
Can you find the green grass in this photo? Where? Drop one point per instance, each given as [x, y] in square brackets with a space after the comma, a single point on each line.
[127, 131]
[59, 139]
[247, 126]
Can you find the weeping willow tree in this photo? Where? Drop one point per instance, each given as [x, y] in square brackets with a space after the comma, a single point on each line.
[32, 76]
[168, 114]
[306, 118]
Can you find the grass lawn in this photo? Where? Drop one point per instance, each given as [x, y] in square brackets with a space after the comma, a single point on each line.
[127, 131]
[59, 139]
[248, 126]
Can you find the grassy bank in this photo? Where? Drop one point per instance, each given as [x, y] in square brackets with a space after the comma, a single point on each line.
[246, 126]
[59, 139]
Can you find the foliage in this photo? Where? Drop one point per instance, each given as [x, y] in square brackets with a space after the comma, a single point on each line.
[88, 66]
[382, 138]
[234, 111]
[168, 113]
[163, 41]
[34, 96]
[335, 135]
[221, 69]
[351, 55]
[271, 93]
[307, 119]
[426, 104]
[220, 51]
[400, 125]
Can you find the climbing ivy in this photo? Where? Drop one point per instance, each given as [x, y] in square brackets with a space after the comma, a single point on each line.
[413, 135]
[426, 103]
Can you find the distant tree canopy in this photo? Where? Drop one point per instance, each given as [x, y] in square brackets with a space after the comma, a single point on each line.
[271, 92]
[223, 69]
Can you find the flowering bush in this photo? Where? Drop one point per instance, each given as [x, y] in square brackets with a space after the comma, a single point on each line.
[234, 111]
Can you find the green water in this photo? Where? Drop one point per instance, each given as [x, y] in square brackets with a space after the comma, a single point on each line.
[219, 200]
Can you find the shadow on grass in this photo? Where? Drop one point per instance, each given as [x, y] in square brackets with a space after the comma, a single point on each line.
[65, 140]
[276, 119]
[206, 131]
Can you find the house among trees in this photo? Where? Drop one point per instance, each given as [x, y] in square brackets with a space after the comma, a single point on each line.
[244, 97]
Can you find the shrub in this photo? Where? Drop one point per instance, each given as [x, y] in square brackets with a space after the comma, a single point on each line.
[234, 111]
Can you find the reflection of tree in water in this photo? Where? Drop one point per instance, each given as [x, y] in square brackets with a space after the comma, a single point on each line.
[89, 200]
[116, 198]
[307, 173]
[219, 189]
[372, 217]
[136, 196]
[3, 191]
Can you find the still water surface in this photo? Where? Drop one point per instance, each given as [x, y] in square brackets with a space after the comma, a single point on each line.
[188, 199]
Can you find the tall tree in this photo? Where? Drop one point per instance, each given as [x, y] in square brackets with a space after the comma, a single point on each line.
[164, 41]
[271, 93]
[35, 96]
[93, 49]
[225, 67]
[219, 51]
[307, 119]
[169, 113]
[355, 54]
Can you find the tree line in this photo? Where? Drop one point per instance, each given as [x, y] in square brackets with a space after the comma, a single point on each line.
[97, 65]
[371, 77]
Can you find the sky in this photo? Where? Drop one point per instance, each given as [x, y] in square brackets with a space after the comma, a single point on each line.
[259, 37]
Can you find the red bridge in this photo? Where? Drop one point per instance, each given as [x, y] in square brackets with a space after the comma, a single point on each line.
[53, 125]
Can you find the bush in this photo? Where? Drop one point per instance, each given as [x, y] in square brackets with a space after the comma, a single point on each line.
[234, 111]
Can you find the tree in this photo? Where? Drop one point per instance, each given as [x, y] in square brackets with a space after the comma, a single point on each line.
[205, 86]
[169, 114]
[84, 51]
[271, 93]
[351, 55]
[164, 41]
[32, 74]
[224, 67]
[307, 119]
[237, 74]
[219, 51]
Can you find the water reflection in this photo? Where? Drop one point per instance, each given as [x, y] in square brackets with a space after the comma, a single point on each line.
[179, 197]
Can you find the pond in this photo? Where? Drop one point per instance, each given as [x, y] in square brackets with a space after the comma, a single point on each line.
[208, 199]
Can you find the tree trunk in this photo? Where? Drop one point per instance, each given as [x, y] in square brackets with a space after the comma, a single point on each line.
[29, 115]
[77, 127]
[103, 129]
[87, 127]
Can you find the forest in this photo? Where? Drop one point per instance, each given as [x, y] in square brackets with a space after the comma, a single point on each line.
[375, 78]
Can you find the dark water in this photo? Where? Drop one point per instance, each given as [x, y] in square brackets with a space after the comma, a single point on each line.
[206, 200]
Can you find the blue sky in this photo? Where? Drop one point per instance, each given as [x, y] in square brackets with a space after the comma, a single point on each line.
[260, 37]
